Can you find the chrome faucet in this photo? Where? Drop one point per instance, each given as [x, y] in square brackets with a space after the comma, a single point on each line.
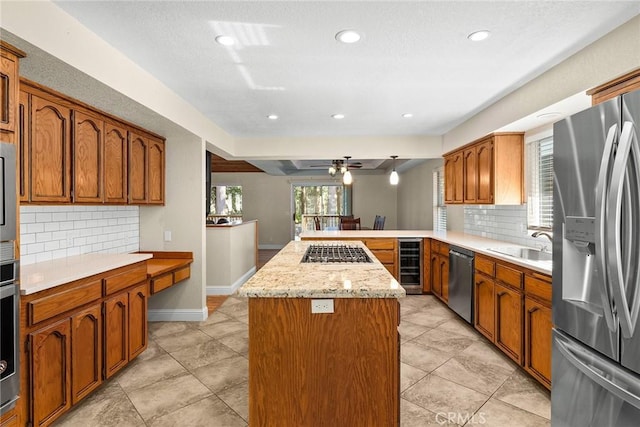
[547, 235]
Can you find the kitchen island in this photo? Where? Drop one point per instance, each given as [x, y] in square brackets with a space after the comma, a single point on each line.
[337, 367]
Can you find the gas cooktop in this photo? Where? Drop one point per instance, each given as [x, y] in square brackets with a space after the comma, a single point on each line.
[335, 254]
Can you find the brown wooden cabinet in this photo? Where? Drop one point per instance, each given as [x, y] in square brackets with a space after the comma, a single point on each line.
[137, 321]
[618, 86]
[71, 153]
[50, 363]
[426, 265]
[440, 269]
[116, 339]
[489, 170]
[538, 327]
[86, 352]
[50, 151]
[115, 163]
[9, 88]
[155, 172]
[484, 305]
[9, 419]
[508, 323]
[386, 251]
[88, 149]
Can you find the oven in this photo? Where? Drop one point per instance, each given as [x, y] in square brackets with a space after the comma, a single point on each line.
[9, 285]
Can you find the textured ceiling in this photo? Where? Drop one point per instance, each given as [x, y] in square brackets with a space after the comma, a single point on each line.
[414, 57]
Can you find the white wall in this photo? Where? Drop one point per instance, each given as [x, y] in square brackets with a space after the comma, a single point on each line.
[415, 196]
[267, 198]
[183, 215]
[231, 257]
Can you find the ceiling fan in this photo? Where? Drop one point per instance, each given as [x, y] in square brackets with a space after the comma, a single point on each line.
[339, 166]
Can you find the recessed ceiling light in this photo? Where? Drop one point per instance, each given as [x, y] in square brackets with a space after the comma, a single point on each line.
[549, 115]
[407, 115]
[348, 36]
[338, 116]
[479, 35]
[225, 40]
[272, 117]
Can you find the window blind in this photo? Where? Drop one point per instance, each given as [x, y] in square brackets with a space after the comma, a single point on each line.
[539, 164]
[439, 208]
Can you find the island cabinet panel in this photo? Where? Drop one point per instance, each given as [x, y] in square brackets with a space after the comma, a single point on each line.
[50, 374]
[115, 163]
[50, 151]
[86, 352]
[338, 369]
[88, 148]
[508, 323]
[116, 334]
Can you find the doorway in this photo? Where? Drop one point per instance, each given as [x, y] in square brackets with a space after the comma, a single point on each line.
[326, 201]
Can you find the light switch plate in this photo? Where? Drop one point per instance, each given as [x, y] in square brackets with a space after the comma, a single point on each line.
[321, 306]
[167, 235]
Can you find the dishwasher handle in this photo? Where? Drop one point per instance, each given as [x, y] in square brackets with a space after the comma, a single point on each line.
[460, 252]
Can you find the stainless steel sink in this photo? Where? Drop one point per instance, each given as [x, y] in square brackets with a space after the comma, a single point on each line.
[524, 253]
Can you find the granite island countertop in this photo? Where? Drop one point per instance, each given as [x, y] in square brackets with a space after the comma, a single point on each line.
[284, 276]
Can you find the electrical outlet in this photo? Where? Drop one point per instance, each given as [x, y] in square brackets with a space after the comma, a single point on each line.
[167, 235]
[321, 306]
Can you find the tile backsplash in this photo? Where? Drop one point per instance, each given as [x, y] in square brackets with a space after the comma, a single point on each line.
[50, 232]
[505, 223]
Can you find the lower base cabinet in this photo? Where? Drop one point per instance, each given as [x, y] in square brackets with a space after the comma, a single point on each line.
[116, 337]
[86, 352]
[484, 305]
[538, 326]
[138, 319]
[508, 308]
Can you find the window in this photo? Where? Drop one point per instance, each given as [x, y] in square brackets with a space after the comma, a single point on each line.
[326, 203]
[226, 201]
[539, 165]
[439, 208]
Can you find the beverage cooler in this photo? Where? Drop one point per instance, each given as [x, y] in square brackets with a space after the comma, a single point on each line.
[410, 271]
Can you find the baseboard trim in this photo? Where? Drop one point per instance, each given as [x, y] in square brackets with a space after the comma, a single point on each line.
[177, 315]
[278, 247]
[229, 290]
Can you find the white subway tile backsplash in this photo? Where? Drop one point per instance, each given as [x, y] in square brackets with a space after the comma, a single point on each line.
[50, 232]
[505, 223]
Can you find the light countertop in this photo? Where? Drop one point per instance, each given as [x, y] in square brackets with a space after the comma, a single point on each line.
[48, 274]
[284, 276]
[474, 243]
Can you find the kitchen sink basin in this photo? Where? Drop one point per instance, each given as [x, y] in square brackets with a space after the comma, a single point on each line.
[525, 253]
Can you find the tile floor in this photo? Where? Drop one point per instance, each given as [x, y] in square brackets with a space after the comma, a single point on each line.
[195, 374]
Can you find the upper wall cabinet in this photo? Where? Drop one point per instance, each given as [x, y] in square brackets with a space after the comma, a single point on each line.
[487, 171]
[72, 153]
[623, 84]
[9, 88]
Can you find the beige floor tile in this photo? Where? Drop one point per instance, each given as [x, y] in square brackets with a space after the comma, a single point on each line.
[424, 358]
[224, 328]
[181, 340]
[495, 413]
[153, 350]
[207, 412]
[412, 415]
[440, 395]
[237, 342]
[459, 327]
[235, 310]
[485, 352]
[216, 317]
[237, 397]
[141, 373]
[410, 375]
[409, 331]
[465, 370]
[444, 341]
[159, 329]
[524, 392]
[108, 406]
[226, 373]
[161, 398]
[202, 354]
[424, 318]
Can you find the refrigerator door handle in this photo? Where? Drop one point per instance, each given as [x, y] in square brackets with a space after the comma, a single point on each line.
[595, 370]
[627, 314]
[601, 221]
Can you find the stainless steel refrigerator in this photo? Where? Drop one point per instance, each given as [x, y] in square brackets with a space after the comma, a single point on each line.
[596, 266]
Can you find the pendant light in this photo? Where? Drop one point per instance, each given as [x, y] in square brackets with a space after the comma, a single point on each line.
[347, 179]
[394, 178]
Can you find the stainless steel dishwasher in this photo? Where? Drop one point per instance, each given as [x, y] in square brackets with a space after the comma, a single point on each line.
[461, 282]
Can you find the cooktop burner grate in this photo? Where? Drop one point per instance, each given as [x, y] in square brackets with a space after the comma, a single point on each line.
[335, 254]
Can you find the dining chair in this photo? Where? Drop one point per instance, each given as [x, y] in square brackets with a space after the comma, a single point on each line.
[378, 223]
[349, 223]
[316, 221]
